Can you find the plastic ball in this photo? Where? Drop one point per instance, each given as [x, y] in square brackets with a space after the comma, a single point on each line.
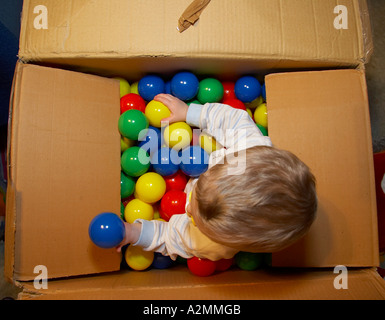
[228, 90]
[178, 135]
[263, 92]
[255, 103]
[224, 264]
[137, 209]
[173, 202]
[151, 142]
[262, 129]
[194, 161]
[184, 85]
[138, 259]
[167, 87]
[124, 86]
[250, 113]
[135, 161]
[177, 181]
[247, 88]
[106, 230]
[155, 112]
[208, 143]
[134, 87]
[132, 101]
[260, 115]
[161, 261]
[149, 86]
[125, 143]
[235, 103]
[133, 124]
[127, 185]
[248, 260]
[165, 161]
[150, 187]
[193, 101]
[210, 90]
[201, 267]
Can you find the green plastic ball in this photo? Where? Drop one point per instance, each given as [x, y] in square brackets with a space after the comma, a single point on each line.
[210, 90]
[133, 124]
[249, 261]
[135, 161]
[127, 185]
[263, 129]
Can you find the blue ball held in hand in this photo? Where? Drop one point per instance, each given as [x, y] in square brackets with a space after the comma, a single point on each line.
[106, 230]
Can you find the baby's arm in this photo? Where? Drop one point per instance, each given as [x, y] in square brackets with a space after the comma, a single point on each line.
[231, 127]
[177, 237]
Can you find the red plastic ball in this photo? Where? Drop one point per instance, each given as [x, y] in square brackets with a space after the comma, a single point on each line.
[177, 181]
[224, 264]
[132, 101]
[201, 267]
[173, 202]
[229, 92]
[235, 103]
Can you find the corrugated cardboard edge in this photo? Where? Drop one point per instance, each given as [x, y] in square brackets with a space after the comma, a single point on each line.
[366, 31]
[10, 220]
[276, 284]
[29, 53]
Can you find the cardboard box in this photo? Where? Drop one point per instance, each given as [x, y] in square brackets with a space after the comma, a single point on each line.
[124, 37]
[64, 156]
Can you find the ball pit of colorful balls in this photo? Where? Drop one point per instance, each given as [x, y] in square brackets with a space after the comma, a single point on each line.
[158, 159]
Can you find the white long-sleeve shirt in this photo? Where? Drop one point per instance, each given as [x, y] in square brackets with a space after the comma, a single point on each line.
[234, 130]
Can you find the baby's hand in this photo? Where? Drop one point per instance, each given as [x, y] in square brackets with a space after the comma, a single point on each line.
[132, 233]
[177, 107]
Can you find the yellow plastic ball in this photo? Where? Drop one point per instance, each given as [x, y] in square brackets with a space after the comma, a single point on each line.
[208, 143]
[155, 112]
[150, 187]
[137, 209]
[124, 86]
[178, 135]
[125, 143]
[137, 258]
[255, 103]
[134, 87]
[260, 115]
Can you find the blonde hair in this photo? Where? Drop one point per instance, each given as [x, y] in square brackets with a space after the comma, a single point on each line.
[266, 209]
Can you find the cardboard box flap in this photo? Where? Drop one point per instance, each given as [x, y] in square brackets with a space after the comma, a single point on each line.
[64, 168]
[179, 284]
[273, 30]
[325, 118]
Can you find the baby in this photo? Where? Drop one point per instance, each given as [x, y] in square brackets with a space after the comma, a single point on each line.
[253, 197]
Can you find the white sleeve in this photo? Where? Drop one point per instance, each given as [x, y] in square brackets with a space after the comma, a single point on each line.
[232, 128]
[179, 237]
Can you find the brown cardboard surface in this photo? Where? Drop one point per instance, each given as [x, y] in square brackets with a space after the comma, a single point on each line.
[280, 32]
[64, 168]
[179, 284]
[323, 117]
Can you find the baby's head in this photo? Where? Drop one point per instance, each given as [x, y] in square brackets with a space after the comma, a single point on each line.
[265, 209]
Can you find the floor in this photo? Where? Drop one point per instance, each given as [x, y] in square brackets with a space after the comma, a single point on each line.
[376, 92]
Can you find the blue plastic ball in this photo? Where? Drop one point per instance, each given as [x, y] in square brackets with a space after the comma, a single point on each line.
[167, 87]
[184, 85]
[106, 230]
[194, 161]
[165, 161]
[161, 261]
[247, 89]
[263, 89]
[149, 86]
[152, 141]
